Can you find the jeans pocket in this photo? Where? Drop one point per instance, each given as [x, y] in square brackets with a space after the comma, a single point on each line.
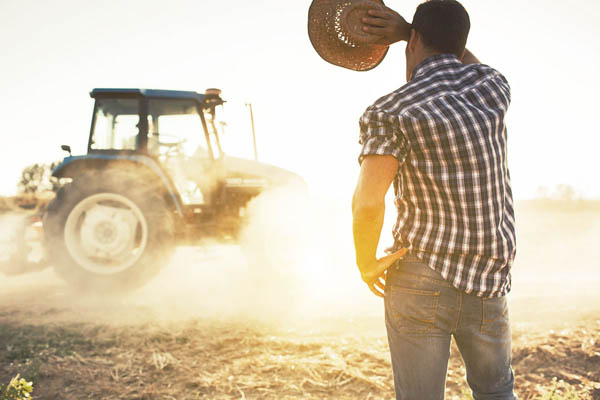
[412, 310]
[495, 317]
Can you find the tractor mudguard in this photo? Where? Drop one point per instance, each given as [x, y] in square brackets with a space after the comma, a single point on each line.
[75, 165]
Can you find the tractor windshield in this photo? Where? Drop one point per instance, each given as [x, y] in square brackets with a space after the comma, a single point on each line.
[175, 127]
[115, 124]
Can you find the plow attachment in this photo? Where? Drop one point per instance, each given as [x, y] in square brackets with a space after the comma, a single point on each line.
[21, 244]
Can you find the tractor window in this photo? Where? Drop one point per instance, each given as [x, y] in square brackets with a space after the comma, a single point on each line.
[175, 128]
[115, 124]
[235, 129]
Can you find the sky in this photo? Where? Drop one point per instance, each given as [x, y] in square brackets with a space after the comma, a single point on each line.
[306, 110]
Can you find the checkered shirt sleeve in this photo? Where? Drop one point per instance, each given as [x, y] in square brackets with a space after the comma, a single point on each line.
[380, 135]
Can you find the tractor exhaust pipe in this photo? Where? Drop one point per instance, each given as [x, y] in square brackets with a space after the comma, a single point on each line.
[253, 131]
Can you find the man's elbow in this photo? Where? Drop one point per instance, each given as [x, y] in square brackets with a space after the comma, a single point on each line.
[366, 208]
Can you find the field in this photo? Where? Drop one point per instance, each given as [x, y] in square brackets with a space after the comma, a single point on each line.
[196, 331]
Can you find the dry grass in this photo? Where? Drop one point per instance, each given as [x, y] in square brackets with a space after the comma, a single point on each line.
[208, 360]
[200, 360]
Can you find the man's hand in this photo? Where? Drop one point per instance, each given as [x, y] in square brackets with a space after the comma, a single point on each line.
[374, 274]
[388, 24]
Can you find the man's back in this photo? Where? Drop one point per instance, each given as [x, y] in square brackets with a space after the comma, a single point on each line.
[453, 192]
[441, 141]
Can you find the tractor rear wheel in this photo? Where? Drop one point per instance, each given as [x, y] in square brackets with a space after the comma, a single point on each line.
[108, 232]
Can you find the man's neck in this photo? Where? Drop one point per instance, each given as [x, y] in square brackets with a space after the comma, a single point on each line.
[423, 55]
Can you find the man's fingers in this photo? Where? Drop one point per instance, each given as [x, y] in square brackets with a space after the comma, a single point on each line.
[385, 262]
[383, 278]
[375, 30]
[377, 13]
[379, 267]
[379, 22]
[375, 278]
[395, 256]
[375, 291]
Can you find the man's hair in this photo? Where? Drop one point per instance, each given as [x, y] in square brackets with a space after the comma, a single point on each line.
[443, 25]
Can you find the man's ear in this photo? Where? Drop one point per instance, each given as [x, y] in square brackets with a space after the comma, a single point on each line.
[412, 41]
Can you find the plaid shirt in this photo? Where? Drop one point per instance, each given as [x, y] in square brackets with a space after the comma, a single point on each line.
[453, 195]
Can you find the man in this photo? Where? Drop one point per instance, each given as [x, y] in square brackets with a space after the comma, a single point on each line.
[441, 140]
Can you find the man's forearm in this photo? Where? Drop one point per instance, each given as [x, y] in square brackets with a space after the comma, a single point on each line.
[368, 209]
[367, 223]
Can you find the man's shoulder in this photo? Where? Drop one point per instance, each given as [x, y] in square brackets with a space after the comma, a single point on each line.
[409, 98]
[400, 101]
[418, 90]
[489, 72]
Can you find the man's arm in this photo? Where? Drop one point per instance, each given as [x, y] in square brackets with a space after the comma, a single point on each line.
[368, 209]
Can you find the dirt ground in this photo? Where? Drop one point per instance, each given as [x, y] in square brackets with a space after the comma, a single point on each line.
[131, 348]
[199, 330]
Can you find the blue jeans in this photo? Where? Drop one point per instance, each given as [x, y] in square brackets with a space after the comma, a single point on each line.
[422, 312]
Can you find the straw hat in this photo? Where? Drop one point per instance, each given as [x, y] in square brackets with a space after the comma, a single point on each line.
[335, 31]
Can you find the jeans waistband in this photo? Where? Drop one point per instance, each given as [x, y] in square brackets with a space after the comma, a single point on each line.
[411, 264]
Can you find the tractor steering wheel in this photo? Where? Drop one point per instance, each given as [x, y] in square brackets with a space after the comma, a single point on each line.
[173, 148]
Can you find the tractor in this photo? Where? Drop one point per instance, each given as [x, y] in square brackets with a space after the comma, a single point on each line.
[155, 176]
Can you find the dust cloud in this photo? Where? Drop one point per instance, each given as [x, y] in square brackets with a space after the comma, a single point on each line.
[10, 224]
[294, 267]
[556, 273]
[294, 264]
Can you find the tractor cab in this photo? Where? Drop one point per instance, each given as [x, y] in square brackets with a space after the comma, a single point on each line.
[176, 128]
[154, 122]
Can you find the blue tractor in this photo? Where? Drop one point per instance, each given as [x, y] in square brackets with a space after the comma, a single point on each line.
[154, 176]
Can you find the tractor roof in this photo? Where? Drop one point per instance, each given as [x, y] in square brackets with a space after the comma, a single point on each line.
[171, 94]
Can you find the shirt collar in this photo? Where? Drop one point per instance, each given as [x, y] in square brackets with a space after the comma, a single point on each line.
[433, 62]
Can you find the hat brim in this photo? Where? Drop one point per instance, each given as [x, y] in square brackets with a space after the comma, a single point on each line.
[330, 43]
